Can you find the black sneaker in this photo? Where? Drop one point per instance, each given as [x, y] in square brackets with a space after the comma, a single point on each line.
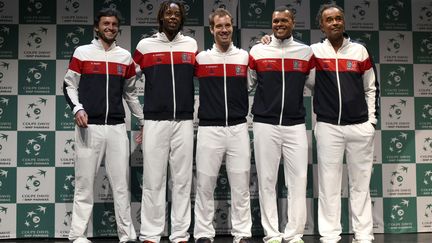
[203, 240]
[245, 240]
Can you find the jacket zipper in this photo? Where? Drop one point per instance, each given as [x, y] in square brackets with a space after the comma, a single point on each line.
[283, 86]
[173, 83]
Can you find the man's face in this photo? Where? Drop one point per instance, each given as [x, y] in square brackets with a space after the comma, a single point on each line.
[222, 30]
[282, 24]
[171, 18]
[332, 23]
[107, 29]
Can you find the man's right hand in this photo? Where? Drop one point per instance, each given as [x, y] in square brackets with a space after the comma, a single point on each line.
[81, 118]
[266, 39]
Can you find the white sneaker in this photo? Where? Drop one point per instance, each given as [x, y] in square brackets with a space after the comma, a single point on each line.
[81, 240]
[361, 241]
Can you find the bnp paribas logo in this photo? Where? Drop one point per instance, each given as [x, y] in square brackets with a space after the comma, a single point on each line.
[72, 6]
[256, 9]
[398, 143]
[360, 10]
[69, 183]
[396, 109]
[36, 108]
[427, 144]
[35, 217]
[35, 180]
[35, 145]
[4, 35]
[3, 67]
[35, 39]
[426, 112]
[394, 43]
[399, 210]
[394, 11]
[395, 76]
[221, 218]
[428, 211]
[427, 178]
[398, 176]
[69, 146]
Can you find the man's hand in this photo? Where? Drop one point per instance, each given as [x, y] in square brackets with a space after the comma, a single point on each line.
[139, 136]
[266, 39]
[81, 118]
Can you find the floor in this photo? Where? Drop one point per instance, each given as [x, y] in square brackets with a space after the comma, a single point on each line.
[379, 238]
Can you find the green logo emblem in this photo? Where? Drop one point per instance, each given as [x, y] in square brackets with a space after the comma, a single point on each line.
[395, 15]
[222, 190]
[36, 148]
[8, 185]
[8, 43]
[65, 184]
[400, 215]
[424, 180]
[35, 220]
[70, 37]
[423, 113]
[396, 80]
[398, 146]
[104, 221]
[256, 13]
[64, 115]
[33, 182]
[35, 77]
[422, 47]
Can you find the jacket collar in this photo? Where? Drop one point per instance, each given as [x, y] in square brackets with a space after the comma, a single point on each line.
[217, 51]
[278, 42]
[162, 36]
[98, 44]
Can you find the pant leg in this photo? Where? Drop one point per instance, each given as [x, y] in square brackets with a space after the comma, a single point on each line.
[267, 146]
[90, 147]
[238, 169]
[156, 143]
[295, 157]
[117, 167]
[330, 150]
[209, 154]
[359, 155]
[181, 161]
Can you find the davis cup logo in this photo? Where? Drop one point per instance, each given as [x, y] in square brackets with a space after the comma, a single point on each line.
[34, 6]
[34, 109]
[73, 38]
[3, 175]
[4, 31]
[69, 183]
[393, 11]
[426, 13]
[397, 143]
[221, 214]
[359, 12]
[428, 210]
[3, 210]
[72, 6]
[35, 38]
[219, 4]
[427, 178]
[4, 102]
[395, 111]
[69, 146]
[108, 219]
[427, 112]
[427, 144]
[397, 177]
[34, 146]
[394, 77]
[35, 74]
[394, 43]
[33, 182]
[3, 138]
[2, 4]
[110, 4]
[3, 66]
[146, 7]
[105, 183]
[256, 8]
[35, 217]
[426, 78]
[67, 218]
[426, 45]
[398, 210]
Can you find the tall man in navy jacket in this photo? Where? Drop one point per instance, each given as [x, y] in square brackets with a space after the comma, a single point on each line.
[167, 60]
[222, 131]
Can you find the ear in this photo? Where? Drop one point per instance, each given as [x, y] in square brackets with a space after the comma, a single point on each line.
[211, 30]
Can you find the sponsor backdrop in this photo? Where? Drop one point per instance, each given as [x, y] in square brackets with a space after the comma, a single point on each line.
[37, 38]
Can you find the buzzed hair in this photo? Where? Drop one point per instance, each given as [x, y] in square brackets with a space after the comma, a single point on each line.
[284, 8]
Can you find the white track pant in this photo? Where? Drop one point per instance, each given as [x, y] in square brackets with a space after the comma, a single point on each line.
[271, 142]
[332, 142]
[94, 143]
[213, 143]
[166, 142]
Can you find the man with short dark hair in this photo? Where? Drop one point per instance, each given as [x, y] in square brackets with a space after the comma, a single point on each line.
[223, 131]
[167, 62]
[279, 71]
[99, 76]
[346, 101]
